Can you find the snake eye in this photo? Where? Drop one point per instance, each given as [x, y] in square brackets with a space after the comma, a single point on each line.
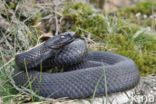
[62, 37]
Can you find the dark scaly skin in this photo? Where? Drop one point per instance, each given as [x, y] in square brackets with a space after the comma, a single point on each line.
[42, 52]
[82, 71]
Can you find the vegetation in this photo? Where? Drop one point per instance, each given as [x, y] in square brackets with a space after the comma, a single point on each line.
[131, 36]
[147, 8]
[140, 14]
[127, 38]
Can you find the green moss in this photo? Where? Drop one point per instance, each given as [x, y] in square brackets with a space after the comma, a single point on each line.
[141, 53]
[145, 10]
[79, 9]
[118, 33]
[83, 18]
[143, 7]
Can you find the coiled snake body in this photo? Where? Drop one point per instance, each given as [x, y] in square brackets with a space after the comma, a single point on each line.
[85, 73]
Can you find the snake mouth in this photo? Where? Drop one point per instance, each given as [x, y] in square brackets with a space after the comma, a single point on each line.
[60, 40]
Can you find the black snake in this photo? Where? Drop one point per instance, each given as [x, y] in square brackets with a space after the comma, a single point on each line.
[84, 73]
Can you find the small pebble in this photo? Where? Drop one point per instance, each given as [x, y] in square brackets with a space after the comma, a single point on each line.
[138, 15]
[154, 88]
[153, 16]
[144, 16]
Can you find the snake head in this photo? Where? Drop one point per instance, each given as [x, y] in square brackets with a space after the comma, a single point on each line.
[60, 40]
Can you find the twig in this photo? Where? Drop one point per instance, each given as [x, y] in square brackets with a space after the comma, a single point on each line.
[89, 40]
[5, 37]
[56, 22]
[7, 63]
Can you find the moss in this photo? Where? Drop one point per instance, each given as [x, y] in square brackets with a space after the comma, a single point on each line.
[140, 53]
[118, 33]
[143, 7]
[78, 9]
[83, 18]
[145, 10]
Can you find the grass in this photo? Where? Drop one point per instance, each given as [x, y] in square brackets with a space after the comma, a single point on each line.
[130, 36]
[103, 76]
[126, 37]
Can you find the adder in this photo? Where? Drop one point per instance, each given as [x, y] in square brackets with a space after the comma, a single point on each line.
[84, 72]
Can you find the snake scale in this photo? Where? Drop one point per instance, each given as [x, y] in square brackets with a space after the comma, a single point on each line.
[84, 72]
